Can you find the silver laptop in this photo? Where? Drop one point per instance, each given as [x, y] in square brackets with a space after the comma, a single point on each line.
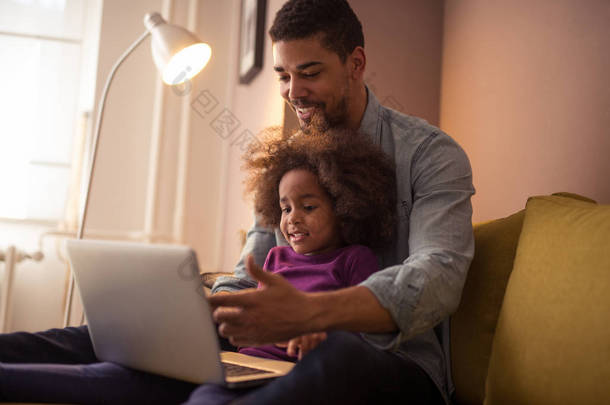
[146, 309]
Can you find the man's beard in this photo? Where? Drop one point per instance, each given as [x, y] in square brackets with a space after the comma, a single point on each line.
[321, 121]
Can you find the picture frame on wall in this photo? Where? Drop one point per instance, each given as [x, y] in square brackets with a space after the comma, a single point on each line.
[252, 39]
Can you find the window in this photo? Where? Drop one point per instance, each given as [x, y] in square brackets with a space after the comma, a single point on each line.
[47, 83]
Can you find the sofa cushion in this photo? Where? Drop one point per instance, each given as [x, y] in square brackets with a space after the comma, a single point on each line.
[474, 323]
[552, 341]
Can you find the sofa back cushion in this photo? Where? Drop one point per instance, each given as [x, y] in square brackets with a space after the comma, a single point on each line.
[552, 341]
[474, 323]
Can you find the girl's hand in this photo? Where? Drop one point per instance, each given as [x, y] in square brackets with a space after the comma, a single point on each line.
[303, 344]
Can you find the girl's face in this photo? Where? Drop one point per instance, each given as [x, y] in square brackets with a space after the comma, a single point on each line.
[308, 221]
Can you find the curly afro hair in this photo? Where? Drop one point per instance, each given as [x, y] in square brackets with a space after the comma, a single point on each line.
[334, 19]
[357, 175]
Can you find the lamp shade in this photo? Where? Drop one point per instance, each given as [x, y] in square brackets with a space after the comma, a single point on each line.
[178, 54]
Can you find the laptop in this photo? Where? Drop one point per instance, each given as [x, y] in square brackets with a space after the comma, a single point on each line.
[146, 309]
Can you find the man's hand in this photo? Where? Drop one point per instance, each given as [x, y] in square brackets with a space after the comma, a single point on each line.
[303, 344]
[278, 312]
[275, 312]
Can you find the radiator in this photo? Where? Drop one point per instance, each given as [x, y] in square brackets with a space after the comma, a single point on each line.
[11, 256]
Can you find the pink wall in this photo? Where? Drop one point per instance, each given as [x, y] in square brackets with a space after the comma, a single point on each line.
[257, 105]
[403, 43]
[525, 91]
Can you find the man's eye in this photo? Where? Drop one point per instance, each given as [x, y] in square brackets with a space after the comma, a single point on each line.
[310, 75]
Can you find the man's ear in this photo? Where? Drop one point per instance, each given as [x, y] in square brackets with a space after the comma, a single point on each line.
[357, 63]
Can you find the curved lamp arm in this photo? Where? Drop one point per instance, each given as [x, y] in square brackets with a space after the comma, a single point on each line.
[98, 127]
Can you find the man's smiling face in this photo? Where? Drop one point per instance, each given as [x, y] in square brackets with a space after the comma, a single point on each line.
[314, 81]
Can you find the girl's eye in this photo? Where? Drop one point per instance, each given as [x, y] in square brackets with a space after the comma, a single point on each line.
[286, 210]
[283, 78]
[309, 208]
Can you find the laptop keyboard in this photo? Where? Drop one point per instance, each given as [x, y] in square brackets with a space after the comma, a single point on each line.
[235, 370]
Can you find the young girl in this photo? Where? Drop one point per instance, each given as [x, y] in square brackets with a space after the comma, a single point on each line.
[332, 195]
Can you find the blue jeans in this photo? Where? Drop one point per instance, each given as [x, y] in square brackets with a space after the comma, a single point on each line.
[59, 365]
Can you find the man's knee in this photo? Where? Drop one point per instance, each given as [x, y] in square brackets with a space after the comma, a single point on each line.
[340, 352]
[325, 375]
[341, 345]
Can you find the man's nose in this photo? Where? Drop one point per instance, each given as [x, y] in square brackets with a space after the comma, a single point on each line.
[297, 89]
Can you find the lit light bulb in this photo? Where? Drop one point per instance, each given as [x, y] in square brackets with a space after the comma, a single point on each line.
[186, 63]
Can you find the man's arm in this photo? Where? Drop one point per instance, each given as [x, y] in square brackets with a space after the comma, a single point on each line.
[426, 287]
[279, 312]
[355, 309]
[259, 240]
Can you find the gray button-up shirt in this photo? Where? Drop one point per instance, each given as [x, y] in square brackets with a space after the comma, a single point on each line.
[424, 269]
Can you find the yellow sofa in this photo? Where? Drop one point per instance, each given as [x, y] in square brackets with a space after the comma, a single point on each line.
[533, 326]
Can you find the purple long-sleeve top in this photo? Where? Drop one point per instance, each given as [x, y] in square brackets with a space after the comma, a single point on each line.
[344, 267]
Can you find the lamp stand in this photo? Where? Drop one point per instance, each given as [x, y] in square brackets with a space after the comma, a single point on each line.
[85, 204]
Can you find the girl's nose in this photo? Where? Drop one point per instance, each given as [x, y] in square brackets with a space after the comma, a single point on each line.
[294, 218]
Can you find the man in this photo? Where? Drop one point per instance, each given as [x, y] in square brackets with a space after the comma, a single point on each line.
[402, 310]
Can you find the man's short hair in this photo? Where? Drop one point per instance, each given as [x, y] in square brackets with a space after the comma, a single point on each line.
[334, 19]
